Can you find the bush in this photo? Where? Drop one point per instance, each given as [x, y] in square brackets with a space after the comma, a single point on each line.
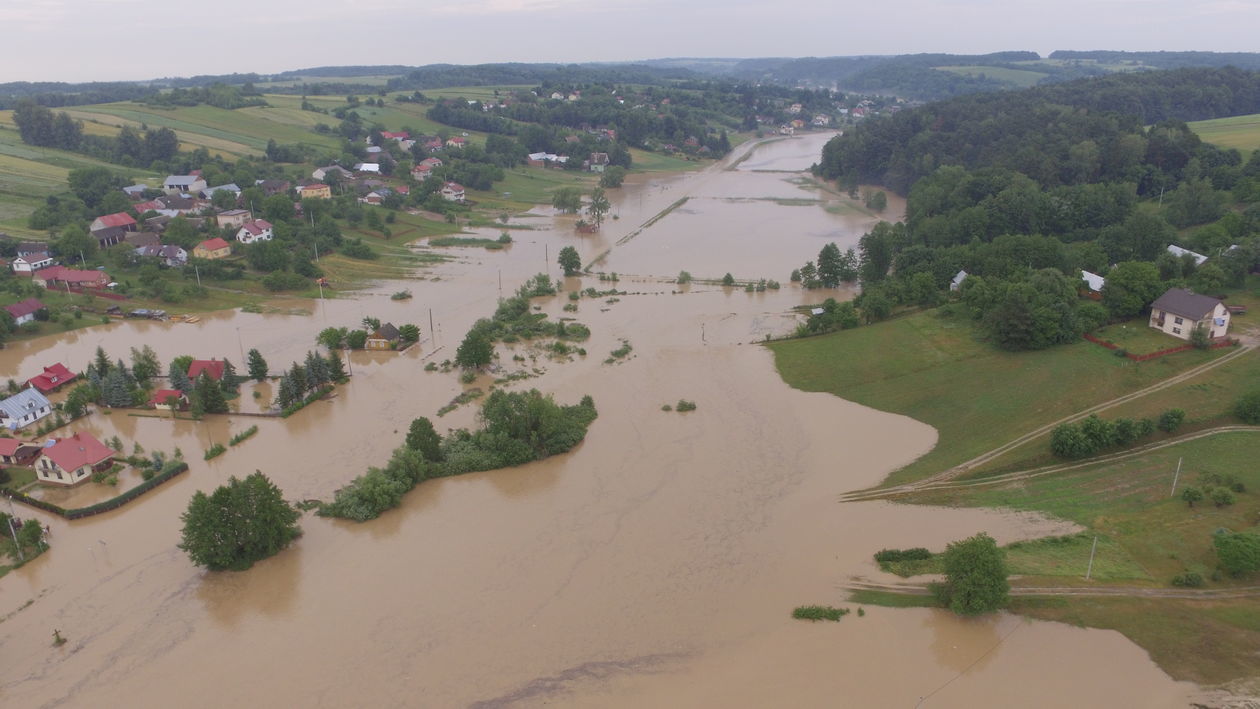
[1238, 552]
[815, 613]
[1221, 497]
[1247, 409]
[1190, 579]
[913, 554]
[684, 405]
[1171, 420]
[215, 451]
[975, 576]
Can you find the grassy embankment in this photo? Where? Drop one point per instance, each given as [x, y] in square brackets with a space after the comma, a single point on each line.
[934, 368]
[1241, 132]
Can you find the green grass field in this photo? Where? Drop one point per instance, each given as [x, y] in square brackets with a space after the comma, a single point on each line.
[1241, 132]
[1147, 535]
[1016, 77]
[934, 368]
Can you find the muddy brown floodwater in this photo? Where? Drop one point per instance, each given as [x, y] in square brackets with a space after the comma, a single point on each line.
[656, 565]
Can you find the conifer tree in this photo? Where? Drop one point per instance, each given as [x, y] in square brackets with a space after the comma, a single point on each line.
[257, 365]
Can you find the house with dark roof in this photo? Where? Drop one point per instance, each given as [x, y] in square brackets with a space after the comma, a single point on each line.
[23, 409]
[212, 368]
[386, 337]
[1180, 312]
[270, 187]
[53, 378]
[229, 187]
[135, 191]
[168, 255]
[257, 230]
[72, 460]
[109, 236]
[24, 311]
[32, 262]
[183, 184]
[144, 238]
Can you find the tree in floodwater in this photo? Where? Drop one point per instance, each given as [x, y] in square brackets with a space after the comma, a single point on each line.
[975, 576]
[257, 365]
[238, 524]
[570, 261]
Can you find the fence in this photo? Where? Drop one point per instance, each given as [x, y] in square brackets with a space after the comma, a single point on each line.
[112, 503]
[1227, 342]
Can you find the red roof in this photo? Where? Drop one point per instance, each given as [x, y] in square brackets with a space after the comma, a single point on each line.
[77, 451]
[213, 244]
[52, 377]
[26, 307]
[9, 446]
[257, 226]
[117, 219]
[152, 205]
[454, 186]
[71, 275]
[161, 395]
[212, 367]
[403, 135]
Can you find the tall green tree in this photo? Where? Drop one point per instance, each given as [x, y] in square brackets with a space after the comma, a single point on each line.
[1131, 287]
[830, 265]
[570, 261]
[975, 576]
[257, 365]
[567, 199]
[238, 524]
[210, 394]
[475, 351]
[422, 437]
[599, 205]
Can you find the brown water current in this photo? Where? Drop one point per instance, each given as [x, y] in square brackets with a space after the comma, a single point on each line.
[655, 565]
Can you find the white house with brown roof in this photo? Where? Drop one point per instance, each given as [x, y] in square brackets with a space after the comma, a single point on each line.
[1179, 312]
[257, 230]
[453, 192]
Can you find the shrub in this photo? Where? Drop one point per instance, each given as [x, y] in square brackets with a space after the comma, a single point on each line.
[1247, 409]
[913, 554]
[815, 613]
[684, 405]
[728, 280]
[1221, 497]
[975, 576]
[1238, 552]
[1190, 579]
[215, 450]
[1171, 420]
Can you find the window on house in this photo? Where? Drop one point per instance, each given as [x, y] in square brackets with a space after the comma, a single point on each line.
[1176, 331]
[59, 475]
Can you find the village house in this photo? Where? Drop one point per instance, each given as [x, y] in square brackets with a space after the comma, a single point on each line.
[215, 248]
[212, 368]
[1094, 283]
[183, 184]
[270, 187]
[52, 378]
[109, 236]
[135, 192]
[257, 230]
[1179, 313]
[599, 162]
[62, 277]
[957, 281]
[232, 187]
[320, 191]
[151, 206]
[122, 220]
[72, 460]
[386, 337]
[15, 452]
[24, 311]
[162, 399]
[168, 255]
[456, 142]
[29, 248]
[30, 263]
[321, 173]
[453, 192]
[23, 409]
[1179, 252]
[144, 238]
[234, 218]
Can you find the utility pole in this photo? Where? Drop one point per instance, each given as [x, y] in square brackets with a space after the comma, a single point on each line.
[1090, 568]
[1175, 476]
[240, 344]
[198, 272]
[431, 332]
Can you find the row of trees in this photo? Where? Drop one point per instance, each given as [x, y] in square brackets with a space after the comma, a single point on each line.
[300, 380]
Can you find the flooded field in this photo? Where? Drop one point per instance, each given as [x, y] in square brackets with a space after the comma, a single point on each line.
[656, 565]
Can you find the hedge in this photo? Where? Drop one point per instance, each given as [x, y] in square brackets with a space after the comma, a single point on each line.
[170, 471]
[310, 399]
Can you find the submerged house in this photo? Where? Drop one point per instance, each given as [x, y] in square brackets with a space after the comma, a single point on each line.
[23, 409]
[386, 337]
[72, 460]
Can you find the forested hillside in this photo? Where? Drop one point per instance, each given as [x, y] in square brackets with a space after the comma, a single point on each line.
[1024, 190]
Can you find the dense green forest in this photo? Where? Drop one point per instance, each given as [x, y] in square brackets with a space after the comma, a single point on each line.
[1025, 189]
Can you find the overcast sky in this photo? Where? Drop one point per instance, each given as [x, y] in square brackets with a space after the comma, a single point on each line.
[85, 40]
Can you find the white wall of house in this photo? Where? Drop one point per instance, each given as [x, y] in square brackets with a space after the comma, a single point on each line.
[1178, 326]
[49, 472]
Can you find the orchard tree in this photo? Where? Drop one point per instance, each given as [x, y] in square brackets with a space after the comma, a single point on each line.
[238, 524]
[975, 576]
[570, 261]
[1191, 495]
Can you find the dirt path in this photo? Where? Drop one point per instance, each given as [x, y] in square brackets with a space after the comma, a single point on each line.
[911, 589]
[960, 469]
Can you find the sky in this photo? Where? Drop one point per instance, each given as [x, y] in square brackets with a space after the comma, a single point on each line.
[103, 40]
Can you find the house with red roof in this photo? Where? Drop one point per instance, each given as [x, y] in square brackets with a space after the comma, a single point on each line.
[58, 276]
[400, 135]
[213, 368]
[453, 192]
[215, 248]
[72, 460]
[24, 311]
[121, 220]
[15, 452]
[53, 378]
[456, 142]
[162, 399]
